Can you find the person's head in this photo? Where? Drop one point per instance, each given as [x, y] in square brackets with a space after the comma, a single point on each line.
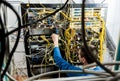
[84, 57]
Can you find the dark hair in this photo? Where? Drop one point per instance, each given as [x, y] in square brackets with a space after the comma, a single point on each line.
[87, 56]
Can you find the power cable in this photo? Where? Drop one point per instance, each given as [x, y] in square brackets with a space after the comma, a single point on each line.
[10, 77]
[68, 71]
[17, 40]
[18, 29]
[2, 52]
[116, 78]
[28, 24]
[85, 43]
[108, 63]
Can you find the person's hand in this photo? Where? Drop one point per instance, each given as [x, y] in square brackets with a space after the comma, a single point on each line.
[55, 39]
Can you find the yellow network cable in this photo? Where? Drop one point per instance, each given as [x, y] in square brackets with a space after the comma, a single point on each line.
[65, 16]
[44, 38]
[43, 12]
[69, 34]
[69, 18]
[24, 15]
[102, 36]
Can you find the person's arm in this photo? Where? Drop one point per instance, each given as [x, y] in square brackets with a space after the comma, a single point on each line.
[60, 62]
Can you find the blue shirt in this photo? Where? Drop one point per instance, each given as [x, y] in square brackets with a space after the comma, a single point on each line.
[64, 65]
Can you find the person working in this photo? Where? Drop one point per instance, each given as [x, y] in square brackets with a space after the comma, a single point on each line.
[83, 58]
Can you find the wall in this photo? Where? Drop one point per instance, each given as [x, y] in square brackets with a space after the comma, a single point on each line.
[113, 19]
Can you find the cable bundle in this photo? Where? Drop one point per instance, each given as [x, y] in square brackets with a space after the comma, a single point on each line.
[3, 35]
